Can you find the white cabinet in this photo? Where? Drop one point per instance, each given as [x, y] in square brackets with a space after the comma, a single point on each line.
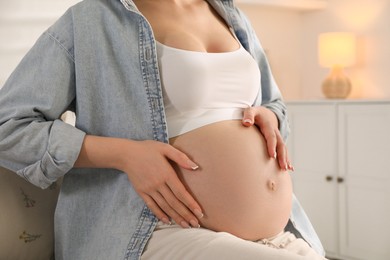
[340, 150]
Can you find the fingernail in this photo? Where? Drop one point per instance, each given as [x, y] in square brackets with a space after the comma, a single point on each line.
[193, 165]
[166, 221]
[194, 168]
[247, 121]
[184, 224]
[274, 156]
[194, 223]
[198, 213]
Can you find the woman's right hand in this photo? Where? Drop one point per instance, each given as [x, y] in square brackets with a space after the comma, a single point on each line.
[154, 179]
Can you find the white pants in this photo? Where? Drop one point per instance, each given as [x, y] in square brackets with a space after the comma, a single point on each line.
[172, 242]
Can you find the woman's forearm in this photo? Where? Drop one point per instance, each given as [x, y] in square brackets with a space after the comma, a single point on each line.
[102, 152]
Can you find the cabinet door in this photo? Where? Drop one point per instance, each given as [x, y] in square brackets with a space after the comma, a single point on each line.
[313, 152]
[365, 192]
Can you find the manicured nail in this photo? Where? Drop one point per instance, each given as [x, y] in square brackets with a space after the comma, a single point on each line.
[194, 168]
[185, 224]
[166, 221]
[194, 223]
[198, 213]
[193, 165]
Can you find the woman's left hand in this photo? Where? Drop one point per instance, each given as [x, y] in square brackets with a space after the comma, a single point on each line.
[268, 123]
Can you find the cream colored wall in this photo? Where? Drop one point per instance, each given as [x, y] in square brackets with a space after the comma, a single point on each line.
[370, 20]
[291, 40]
[21, 23]
[280, 33]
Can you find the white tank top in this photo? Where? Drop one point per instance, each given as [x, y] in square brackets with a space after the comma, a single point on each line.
[201, 88]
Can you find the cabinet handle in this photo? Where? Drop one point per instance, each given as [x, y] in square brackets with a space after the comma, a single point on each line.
[340, 179]
[329, 178]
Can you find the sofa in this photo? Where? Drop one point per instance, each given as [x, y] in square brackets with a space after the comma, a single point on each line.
[26, 218]
[27, 215]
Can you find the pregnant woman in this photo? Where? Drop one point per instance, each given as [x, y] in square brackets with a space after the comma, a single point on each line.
[206, 88]
[177, 126]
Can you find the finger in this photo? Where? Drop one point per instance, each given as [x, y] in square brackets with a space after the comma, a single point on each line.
[282, 160]
[177, 210]
[282, 152]
[152, 205]
[167, 209]
[177, 187]
[248, 118]
[180, 158]
[271, 139]
[289, 164]
[185, 197]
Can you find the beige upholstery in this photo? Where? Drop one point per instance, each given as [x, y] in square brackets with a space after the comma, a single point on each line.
[26, 218]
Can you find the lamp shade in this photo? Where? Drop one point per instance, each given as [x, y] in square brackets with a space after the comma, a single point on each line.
[336, 49]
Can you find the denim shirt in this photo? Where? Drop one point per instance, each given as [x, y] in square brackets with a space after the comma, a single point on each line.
[99, 60]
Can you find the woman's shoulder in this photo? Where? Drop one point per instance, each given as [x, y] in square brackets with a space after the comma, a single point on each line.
[92, 12]
[87, 19]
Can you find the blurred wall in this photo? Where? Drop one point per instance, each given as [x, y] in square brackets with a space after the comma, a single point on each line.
[291, 40]
[21, 23]
[280, 33]
[370, 21]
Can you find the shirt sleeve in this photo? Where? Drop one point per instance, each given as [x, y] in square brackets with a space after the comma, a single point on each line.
[34, 142]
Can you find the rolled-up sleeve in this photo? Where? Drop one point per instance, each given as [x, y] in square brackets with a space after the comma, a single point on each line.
[33, 141]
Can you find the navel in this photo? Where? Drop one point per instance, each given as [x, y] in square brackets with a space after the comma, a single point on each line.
[271, 184]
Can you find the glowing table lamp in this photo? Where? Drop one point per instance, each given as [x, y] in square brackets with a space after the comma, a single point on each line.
[336, 50]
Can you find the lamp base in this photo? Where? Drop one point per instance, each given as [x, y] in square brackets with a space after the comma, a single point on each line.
[336, 85]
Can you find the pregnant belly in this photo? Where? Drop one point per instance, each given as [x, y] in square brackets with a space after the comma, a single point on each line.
[239, 187]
